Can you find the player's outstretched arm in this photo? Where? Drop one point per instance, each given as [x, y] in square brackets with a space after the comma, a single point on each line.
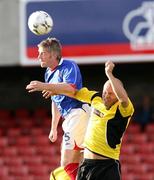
[116, 84]
[56, 88]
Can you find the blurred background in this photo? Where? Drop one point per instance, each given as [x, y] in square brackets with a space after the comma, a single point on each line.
[90, 34]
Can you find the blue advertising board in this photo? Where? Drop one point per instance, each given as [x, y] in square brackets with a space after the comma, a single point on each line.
[93, 31]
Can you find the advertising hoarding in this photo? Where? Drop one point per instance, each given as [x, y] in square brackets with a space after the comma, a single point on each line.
[93, 31]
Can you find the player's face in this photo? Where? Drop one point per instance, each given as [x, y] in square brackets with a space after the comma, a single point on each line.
[46, 57]
[108, 96]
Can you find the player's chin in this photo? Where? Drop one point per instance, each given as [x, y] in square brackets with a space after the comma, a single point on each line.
[43, 65]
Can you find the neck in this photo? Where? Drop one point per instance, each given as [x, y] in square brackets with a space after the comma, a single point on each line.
[54, 65]
[108, 106]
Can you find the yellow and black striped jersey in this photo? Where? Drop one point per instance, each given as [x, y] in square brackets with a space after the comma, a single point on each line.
[106, 127]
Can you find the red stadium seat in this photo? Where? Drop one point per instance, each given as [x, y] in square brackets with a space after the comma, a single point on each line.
[40, 113]
[150, 165]
[22, 113]
[150, 132]
[139, 138]
[16, 171]
[1, 132]
[144, 176]
[26, 122]
[39, 170]
[41, 140]
[3, 142]
[14, 132]
[128, 149]
[23, 141]
[123, 167]
[5, 114]
[4, 171]
[12, 141]
[128, 176]
[13, 161]
[44, 177]
[46, 150]
[26, 177]
[1, 162]
[35, 131]
[27, 150]
[47, 122]
[150, 129]
[8, 178]
[140, 169]
[133, 128]
[10, 151]
[130, 159]
[51, 161]
[147, 148]
[32, 160]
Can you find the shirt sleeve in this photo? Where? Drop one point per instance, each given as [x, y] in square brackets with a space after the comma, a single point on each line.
[72, 75]
[85, 95]
[128, 111]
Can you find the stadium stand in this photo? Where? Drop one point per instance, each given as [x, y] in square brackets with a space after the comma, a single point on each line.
[25, 150]
[137, 154]
[27, 154]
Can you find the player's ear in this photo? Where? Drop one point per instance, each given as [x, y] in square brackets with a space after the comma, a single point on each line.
[55, 55]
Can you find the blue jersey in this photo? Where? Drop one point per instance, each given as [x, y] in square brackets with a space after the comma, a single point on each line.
[68, 72]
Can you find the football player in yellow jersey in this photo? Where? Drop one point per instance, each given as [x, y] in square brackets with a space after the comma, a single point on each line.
[109, 119]
[111, 113]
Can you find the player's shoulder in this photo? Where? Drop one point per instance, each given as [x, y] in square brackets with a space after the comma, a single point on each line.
[68, 62]
[68, 65]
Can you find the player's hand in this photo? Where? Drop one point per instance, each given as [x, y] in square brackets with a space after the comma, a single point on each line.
[53, 135]
[109, 66]
[47, 94]
[35, 86]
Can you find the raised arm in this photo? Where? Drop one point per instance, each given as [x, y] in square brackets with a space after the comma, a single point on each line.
[116, 84]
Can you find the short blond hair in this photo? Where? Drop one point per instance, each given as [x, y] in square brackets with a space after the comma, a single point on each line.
[52, 44]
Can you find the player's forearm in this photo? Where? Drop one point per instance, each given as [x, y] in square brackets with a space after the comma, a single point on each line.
[60, 88]
[55, 116]
[56, 88]
[54, 123]
[118, 88]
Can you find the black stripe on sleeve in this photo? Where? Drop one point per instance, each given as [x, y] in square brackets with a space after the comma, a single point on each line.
[95, 95]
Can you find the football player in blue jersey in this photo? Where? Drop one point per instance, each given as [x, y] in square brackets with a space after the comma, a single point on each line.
[66, 77]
